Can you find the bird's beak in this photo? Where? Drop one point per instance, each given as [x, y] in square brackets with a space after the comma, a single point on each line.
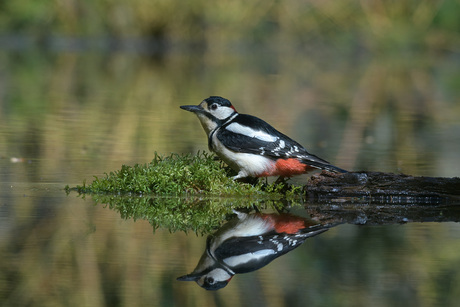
[194, 109]
[189, 277]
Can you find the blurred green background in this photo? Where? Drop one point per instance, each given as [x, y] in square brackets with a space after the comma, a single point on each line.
[86, 86]
[346, 78]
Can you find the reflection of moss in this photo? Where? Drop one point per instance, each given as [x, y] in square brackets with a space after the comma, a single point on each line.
[181, 175]
[195, 214]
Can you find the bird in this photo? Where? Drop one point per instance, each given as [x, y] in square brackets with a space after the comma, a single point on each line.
[247, 243]
[251, 146]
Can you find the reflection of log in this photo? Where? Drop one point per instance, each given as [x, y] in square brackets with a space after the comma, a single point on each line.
[377, 187]
[382, 214]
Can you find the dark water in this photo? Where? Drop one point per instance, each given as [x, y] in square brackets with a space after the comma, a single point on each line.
[68, 116]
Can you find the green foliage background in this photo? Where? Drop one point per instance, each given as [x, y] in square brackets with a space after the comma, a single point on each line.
[433, 25]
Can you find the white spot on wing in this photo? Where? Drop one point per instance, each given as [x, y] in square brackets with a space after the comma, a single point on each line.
[240, 129]
[282, 144]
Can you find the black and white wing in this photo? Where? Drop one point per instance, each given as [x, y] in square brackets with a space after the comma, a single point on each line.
[246, 254]
[249, 134]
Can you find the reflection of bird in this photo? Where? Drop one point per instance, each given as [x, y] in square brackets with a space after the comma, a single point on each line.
[251, 146]
[248, 243]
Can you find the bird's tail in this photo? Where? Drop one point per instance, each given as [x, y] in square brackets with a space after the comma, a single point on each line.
[312, 231]
[317, 229]
[322, 164]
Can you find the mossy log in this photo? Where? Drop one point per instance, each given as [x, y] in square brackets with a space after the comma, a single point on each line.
[383, 188]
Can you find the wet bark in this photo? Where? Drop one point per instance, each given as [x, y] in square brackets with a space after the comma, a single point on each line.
[382, 188]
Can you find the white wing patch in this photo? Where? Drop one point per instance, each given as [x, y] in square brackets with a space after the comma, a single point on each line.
[240, 129]
[245, 258]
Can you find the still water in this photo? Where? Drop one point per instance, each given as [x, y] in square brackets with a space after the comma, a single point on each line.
[66, 117]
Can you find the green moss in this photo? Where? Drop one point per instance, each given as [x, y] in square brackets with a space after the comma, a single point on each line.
[181, 175]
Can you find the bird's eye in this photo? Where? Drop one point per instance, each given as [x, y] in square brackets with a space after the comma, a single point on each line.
[213, 106]
[210, 280]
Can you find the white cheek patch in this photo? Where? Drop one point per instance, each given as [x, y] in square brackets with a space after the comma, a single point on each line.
[223, 112]
[240, 129]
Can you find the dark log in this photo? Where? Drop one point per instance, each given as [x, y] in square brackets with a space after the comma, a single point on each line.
[382, 188]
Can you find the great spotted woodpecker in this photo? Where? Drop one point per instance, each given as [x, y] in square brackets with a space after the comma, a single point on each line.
[251, 146]
[247, 243]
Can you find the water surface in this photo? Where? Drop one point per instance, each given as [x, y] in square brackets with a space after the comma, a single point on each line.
[68, 116]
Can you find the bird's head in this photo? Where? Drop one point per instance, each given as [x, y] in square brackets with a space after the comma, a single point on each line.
[212, 112]
[214, 279]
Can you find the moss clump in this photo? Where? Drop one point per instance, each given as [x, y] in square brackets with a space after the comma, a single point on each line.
[180, 175]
